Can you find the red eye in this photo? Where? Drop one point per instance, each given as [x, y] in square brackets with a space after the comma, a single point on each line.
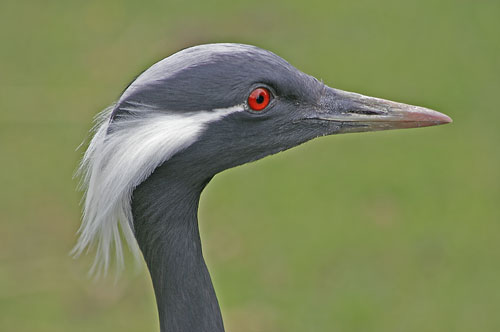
[259, 99]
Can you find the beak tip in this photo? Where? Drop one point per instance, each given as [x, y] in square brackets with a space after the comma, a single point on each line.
[441, 118]
[448, 119]
[428, 117]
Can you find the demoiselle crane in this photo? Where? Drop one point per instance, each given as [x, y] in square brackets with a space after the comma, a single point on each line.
[188, 117]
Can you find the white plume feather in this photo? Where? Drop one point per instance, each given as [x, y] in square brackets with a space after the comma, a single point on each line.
[118, 160]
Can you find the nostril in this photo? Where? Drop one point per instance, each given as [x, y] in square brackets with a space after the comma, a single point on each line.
[366, 112]
[363, 108]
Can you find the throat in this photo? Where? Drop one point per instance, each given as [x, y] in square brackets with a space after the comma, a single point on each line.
[164, 209]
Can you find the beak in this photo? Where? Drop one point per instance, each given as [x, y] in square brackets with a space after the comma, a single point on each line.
[358, 113]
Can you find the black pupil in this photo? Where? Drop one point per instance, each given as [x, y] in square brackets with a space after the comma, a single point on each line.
[260, 99]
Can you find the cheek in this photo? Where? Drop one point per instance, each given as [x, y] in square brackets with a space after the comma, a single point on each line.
[313, 128]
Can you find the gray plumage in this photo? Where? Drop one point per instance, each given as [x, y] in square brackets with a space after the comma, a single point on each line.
[178, 124]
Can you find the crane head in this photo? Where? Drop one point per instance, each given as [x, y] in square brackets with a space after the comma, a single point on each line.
[211, 107]
[249, 103]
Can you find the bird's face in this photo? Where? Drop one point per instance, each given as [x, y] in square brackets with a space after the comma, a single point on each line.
[229, 104]
[206, 109]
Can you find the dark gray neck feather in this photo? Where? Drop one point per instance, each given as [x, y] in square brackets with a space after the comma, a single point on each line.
[165, 210]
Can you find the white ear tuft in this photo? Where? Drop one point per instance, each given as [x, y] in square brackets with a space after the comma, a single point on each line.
[104, 211]
[121, 155]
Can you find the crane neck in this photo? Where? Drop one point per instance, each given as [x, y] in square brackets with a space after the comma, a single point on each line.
[164, 209]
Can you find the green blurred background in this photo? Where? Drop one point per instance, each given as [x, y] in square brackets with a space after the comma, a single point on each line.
[388, 231]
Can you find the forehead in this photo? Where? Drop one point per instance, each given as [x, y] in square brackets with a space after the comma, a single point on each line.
[230, 55]
[210, 76]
